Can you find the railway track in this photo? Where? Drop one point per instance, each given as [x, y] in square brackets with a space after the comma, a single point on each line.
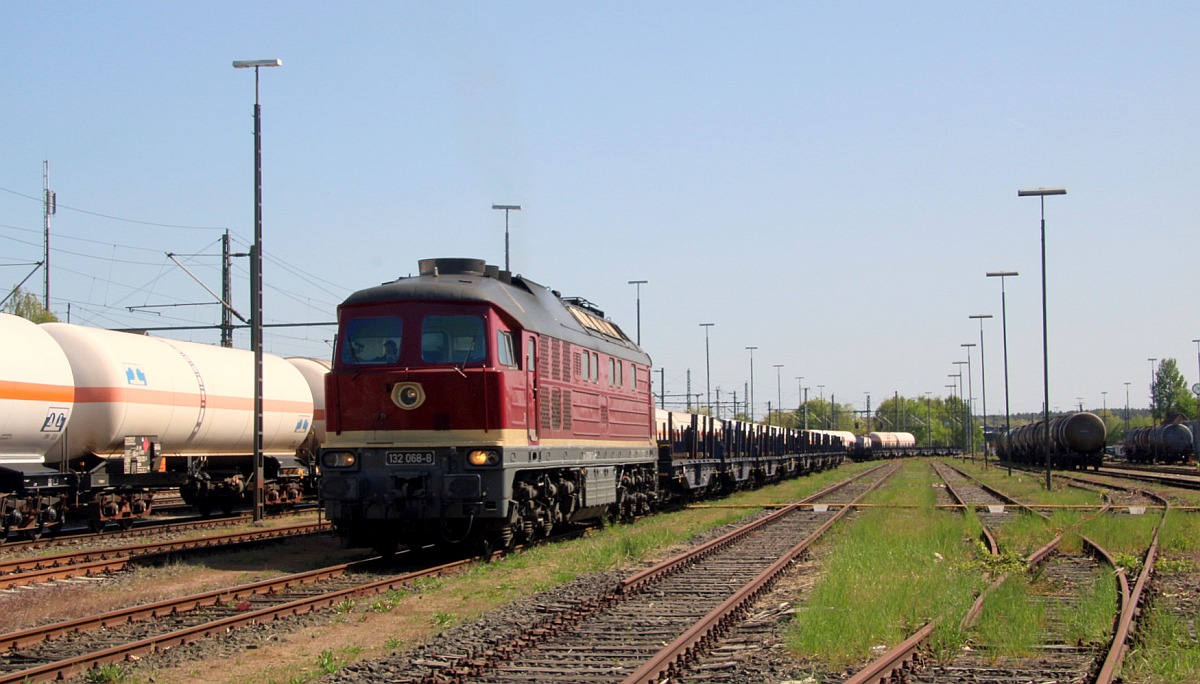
[27, 571]
[67, 649]
[1063, 578]
[646, 627]
[148, 528]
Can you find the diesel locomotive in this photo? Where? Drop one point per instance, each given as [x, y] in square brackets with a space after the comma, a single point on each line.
[468, 404]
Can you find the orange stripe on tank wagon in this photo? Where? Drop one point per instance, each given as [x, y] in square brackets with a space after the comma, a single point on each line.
[32, 391]
[148, 397]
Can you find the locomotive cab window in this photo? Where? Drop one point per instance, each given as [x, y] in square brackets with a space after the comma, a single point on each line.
[372, 341]
[452, 339]
[504, 349]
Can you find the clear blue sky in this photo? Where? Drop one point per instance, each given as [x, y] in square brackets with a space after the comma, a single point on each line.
[828, 182]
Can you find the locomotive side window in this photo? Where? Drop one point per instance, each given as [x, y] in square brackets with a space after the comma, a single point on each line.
[504, 349]
[596, 368]
[531, 355]
[612, 371]
[452, 339]
[372, 341]
[587, 366]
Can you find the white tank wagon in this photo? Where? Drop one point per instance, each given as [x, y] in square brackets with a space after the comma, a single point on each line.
[37, 396]
[891, 440]
[152, 413]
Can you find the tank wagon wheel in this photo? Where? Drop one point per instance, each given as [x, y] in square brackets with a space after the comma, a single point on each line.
[204, 508]
[35, 533]
[96, 525]
[125, 524]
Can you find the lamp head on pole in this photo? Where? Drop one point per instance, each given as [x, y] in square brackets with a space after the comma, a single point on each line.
[1041, 192]
[255, 63]
[1001, 274]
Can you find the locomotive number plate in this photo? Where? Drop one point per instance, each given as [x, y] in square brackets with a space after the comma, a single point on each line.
[409, 458]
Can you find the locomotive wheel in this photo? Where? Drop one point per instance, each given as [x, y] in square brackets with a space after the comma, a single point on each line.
[125, 524]
[96, 525]
[35, 533]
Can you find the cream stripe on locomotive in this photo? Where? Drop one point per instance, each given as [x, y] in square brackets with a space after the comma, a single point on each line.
[472, 438]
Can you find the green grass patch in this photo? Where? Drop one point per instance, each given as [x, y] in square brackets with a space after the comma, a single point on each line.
[888, 573]
[1167, 654]
[1011, 624]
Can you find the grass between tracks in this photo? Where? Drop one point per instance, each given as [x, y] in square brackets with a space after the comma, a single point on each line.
[1168, 648]
[888, 573]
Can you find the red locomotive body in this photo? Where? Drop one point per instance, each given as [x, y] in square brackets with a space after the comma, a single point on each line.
[467, 404]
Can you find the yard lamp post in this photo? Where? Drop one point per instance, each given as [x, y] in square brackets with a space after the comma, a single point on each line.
[983, 381]
[778, 396]
[1041, 194]
[1153, 404]
[707, 369]
[801, 398]
[750, 411]
[1127, 407]
[639, 284]
[256, 288]
[1004, 326]
[971, 400]
[965, 400]
[1197, 358]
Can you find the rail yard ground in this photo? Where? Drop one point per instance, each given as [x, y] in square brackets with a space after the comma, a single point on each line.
[899, 545]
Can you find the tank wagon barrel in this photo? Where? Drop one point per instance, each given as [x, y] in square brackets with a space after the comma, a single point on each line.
[106, 418]
[1169, 443]
[1073, 440]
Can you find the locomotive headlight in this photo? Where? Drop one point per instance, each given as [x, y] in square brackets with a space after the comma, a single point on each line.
[483, 458]
[408, 395]
[339, 459]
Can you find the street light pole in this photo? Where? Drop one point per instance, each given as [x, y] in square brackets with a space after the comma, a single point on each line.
[800, 399]
[507, 208]
[256, 288]
[1041, 194]
[778, 396]
[707, 369]
[983, 382]
[750, 413]
[1153, 404]
[1197, 358]
[928, 421]
[1004, 324]
[639, 284]
[968, 433]
[824, 413]
[1127, 407]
